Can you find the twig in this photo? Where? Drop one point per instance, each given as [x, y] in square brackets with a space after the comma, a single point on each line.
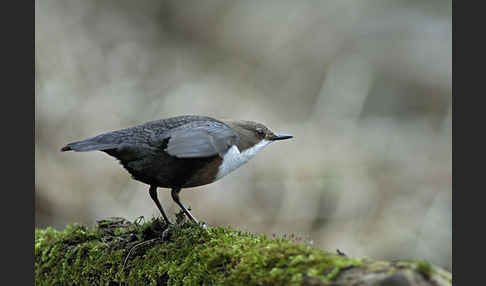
[135, 246]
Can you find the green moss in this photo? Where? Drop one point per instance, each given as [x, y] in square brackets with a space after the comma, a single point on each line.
[69, 257]
[424, 268]
[149, 253]
[187, 255]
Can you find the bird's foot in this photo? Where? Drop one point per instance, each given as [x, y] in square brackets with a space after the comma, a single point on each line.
[166, 234]
[203, 225]
[164, 224]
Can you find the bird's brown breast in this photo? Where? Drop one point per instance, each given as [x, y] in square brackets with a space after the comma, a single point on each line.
[206, 174]
[160, 169]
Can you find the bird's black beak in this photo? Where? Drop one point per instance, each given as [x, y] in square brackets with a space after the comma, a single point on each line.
[277, 136]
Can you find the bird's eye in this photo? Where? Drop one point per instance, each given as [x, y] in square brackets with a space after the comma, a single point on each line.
[260, 132]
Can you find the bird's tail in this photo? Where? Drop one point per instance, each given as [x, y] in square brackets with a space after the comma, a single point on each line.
[100, 142]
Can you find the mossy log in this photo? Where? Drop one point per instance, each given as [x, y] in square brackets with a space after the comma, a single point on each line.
[119, 252]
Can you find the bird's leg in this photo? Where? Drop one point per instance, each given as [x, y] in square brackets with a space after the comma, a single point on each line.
[153, 195]
[175, 197]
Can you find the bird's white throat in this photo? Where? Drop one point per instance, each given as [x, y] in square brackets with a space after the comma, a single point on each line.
[233, 158]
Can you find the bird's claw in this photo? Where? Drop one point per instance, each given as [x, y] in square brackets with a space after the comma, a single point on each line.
[165, 234]
[203, 225]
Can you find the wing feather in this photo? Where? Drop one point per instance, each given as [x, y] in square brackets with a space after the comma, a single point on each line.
[201, 139]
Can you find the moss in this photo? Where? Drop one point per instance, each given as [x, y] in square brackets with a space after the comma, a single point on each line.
[188, 255]
[71, 256]
[424, 268]
[151, 253]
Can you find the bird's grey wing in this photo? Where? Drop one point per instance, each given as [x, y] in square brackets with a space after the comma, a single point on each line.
[135, 137]
[201, 139]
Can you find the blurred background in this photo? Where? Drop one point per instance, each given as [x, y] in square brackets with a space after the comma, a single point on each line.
[364, 86]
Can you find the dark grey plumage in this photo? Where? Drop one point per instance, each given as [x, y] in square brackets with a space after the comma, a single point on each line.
[178, 152]
[149, 134]
[150, 151]
[201, 139]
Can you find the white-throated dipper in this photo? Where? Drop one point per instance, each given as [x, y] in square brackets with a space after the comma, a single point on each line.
[181, 152]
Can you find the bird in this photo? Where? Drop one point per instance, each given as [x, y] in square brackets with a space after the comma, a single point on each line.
[181, 152]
